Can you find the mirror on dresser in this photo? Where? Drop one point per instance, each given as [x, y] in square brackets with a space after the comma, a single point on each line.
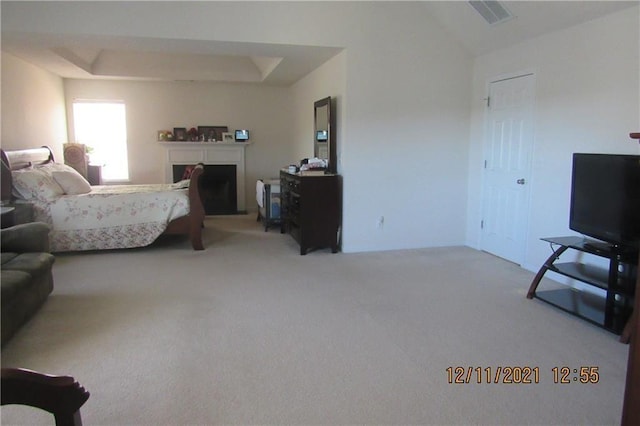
[324, 132]
[311, 200]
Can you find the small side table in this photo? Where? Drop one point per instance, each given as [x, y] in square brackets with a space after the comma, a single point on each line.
[94, 175]
[16, 213]
[7, 216]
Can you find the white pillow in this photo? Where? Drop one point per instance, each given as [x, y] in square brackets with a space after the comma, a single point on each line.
[49, 168]
[71, 182]
[35, 184]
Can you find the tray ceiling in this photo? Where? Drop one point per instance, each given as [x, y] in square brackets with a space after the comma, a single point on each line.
[166, 59]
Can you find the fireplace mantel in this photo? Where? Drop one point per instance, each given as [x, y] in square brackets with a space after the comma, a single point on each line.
[210, 153]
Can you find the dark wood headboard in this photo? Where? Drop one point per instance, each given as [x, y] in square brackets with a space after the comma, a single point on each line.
[20, 159]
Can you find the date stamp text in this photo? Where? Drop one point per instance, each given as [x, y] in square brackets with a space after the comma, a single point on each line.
[521, 375]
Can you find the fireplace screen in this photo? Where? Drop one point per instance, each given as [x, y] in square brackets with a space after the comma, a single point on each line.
[218, 187]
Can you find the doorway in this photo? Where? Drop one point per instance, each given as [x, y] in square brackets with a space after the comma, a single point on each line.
[507, 167]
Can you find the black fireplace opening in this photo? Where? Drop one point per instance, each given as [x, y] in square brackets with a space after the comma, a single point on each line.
[217, 187]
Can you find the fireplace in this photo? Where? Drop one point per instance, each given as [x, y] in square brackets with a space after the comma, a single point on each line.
[220, 160]
[217, 187]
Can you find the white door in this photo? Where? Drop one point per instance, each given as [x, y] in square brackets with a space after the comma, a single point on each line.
[508, 147]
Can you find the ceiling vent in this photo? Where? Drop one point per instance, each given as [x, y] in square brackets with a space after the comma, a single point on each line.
[494, 12]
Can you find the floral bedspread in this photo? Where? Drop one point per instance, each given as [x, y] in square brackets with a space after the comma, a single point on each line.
[112, 216]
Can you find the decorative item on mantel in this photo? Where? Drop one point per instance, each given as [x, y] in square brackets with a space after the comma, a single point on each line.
[180, 134]
[165, 135]
[203, 134]
[242, 135]
[212, 133]
[193, 134]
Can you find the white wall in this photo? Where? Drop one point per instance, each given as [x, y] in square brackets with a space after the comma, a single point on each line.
[33, 111]
[405, 154]
[327, 80]
[587, 100]
[406, 102]
[153, 106]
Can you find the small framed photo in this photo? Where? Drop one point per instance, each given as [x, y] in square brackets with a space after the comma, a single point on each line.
[165, 135]
[211, 133]
[180, 134]
[227, 137]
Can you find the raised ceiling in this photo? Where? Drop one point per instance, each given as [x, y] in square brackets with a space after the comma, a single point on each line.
[166, 59]
[197, 60]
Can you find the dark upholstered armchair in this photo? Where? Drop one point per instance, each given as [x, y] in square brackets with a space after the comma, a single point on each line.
[26, 275]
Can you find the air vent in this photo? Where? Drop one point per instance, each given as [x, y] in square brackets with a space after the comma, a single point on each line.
[493, 12]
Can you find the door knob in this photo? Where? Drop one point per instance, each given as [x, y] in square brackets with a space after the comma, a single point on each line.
[520, 181]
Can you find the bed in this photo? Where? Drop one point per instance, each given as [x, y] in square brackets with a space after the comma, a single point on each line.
[85, 217]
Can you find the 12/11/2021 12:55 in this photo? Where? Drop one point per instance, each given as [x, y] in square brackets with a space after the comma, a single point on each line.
[520, 375]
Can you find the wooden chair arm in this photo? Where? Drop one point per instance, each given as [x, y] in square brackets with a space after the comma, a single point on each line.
[61, 396]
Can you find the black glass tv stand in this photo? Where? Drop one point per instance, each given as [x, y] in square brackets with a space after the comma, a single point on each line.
[612, 311]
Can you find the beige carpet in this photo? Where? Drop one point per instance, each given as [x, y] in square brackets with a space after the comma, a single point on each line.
[250, 332]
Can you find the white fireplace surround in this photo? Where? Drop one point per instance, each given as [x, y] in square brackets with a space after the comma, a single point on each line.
[209, 153]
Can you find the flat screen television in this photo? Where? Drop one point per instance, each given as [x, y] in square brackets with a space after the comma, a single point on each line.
[605, 199]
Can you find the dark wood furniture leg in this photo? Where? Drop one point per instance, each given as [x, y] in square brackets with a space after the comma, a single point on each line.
[545, 267]
[625, 337]
[61, 396]
[196, 209]
[193, 223]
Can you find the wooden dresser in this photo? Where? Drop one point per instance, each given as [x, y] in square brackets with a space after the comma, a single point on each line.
[311, 210]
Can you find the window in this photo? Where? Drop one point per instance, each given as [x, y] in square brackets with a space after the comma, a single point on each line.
[102, 127]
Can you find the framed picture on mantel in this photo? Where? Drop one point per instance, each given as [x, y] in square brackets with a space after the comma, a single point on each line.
[180, 134]
[211, 133]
